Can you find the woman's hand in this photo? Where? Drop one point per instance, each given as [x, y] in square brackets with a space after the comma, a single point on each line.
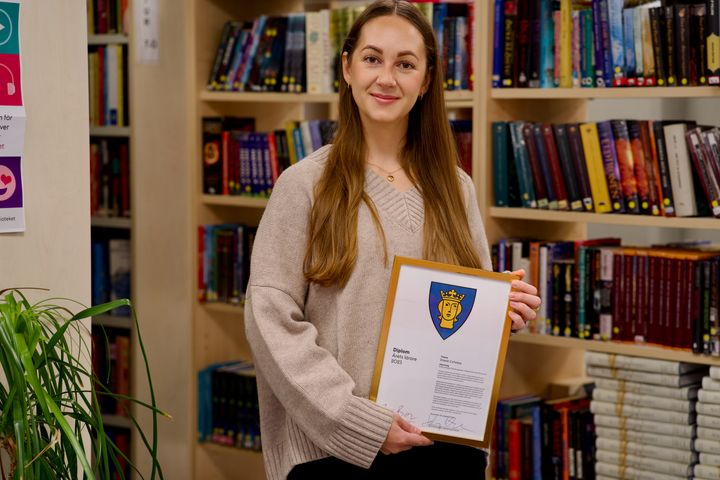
[524, 302]
[402, 436]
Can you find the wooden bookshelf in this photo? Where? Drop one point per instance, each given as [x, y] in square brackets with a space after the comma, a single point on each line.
[535, 360]
[455, 99]
[109, 131]
[234, 201]
[112, 321]
[117, 421]
[111, 222]
[224, 308]
[106, 39]
[604, 93]
[623, 348]
[218, 329]
[695, 223]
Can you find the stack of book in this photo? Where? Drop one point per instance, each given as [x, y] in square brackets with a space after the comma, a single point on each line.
[708, 430]
[644, 413]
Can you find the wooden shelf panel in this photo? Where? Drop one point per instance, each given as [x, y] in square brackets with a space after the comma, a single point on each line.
[116, 421]
[111, 222]
[227, 450]
[234, 201]
[112, 321]
[638, 350]
[704, 223]
[453, 98]
[109, 131]
[105, 39]
[221, 307]
[603, 93]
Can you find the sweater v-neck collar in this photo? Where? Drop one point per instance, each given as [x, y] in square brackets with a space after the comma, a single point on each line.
[405, 208]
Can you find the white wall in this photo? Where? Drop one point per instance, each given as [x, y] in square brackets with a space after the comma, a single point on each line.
[54, 251]
[160, 108]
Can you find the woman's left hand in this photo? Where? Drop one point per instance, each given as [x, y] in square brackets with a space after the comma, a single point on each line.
[524, 302]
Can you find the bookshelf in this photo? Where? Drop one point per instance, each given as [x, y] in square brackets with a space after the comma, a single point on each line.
[527, 368]
[110, 141]
[218, 329]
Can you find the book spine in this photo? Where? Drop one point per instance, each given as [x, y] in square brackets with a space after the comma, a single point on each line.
[539, 178]
[578, 157]
[509, 30]
[568, 168]
[713, 42]
[610, 164]
[595, 168]
[667, 26]
[555, 167]
[546, 44]
[682, 44]
[640, 169]
[498, 39]
[627, 164]
[615, 22]
[500, 163]
[628, 15]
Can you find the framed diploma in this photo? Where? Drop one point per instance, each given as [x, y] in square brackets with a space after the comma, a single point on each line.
[442, 348]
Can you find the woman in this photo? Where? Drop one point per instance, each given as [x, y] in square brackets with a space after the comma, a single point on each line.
[389, 185]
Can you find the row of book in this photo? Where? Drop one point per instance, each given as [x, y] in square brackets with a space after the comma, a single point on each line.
[237, 160]
[645, 416]
[109, 177]
[107, 16]
[110, 264]
[543, 439]
[228, 412]
[111, 364]
[108, 81]
[224, 262]
[605, 43]
[597, 289]
[669, 168]
[300, 52]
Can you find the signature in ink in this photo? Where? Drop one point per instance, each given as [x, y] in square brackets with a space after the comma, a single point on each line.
[445, 422]
[406, 415]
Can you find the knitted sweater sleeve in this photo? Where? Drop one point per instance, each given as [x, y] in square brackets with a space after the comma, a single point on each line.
[477, 227]
[313, 388]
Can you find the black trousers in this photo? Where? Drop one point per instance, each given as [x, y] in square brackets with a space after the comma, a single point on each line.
[440, 460]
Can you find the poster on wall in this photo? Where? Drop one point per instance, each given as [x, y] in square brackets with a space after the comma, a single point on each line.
[12, 121]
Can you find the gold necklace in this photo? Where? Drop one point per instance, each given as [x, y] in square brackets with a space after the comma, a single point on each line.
[390, 176]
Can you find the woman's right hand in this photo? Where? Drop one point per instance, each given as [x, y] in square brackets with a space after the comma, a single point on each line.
[402, 436]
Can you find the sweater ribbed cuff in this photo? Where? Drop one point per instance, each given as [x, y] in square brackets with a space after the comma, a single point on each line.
[363, 428]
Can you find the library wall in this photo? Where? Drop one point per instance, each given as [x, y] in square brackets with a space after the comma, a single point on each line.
[161, 103]
[53, 252]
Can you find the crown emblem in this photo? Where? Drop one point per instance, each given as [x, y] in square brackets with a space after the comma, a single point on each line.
[451, 295]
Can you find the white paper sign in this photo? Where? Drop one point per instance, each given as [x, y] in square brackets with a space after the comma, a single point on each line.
[12, 121]
[147, 28]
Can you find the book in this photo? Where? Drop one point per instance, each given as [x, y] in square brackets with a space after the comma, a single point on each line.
[616, 361]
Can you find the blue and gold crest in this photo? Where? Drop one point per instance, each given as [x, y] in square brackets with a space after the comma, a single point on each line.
[450, 306]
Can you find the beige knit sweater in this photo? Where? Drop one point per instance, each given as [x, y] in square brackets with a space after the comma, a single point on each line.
[314, 347]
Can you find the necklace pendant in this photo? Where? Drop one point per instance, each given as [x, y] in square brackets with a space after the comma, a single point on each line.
[390, 178]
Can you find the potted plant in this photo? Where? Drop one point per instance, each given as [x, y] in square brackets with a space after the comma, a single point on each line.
[49, 394]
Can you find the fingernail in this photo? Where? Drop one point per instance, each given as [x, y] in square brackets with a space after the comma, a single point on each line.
[514, 296]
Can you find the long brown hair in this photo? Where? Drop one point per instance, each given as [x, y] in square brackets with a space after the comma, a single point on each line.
[432, 161]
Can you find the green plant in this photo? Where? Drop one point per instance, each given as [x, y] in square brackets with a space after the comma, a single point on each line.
[49, 393]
